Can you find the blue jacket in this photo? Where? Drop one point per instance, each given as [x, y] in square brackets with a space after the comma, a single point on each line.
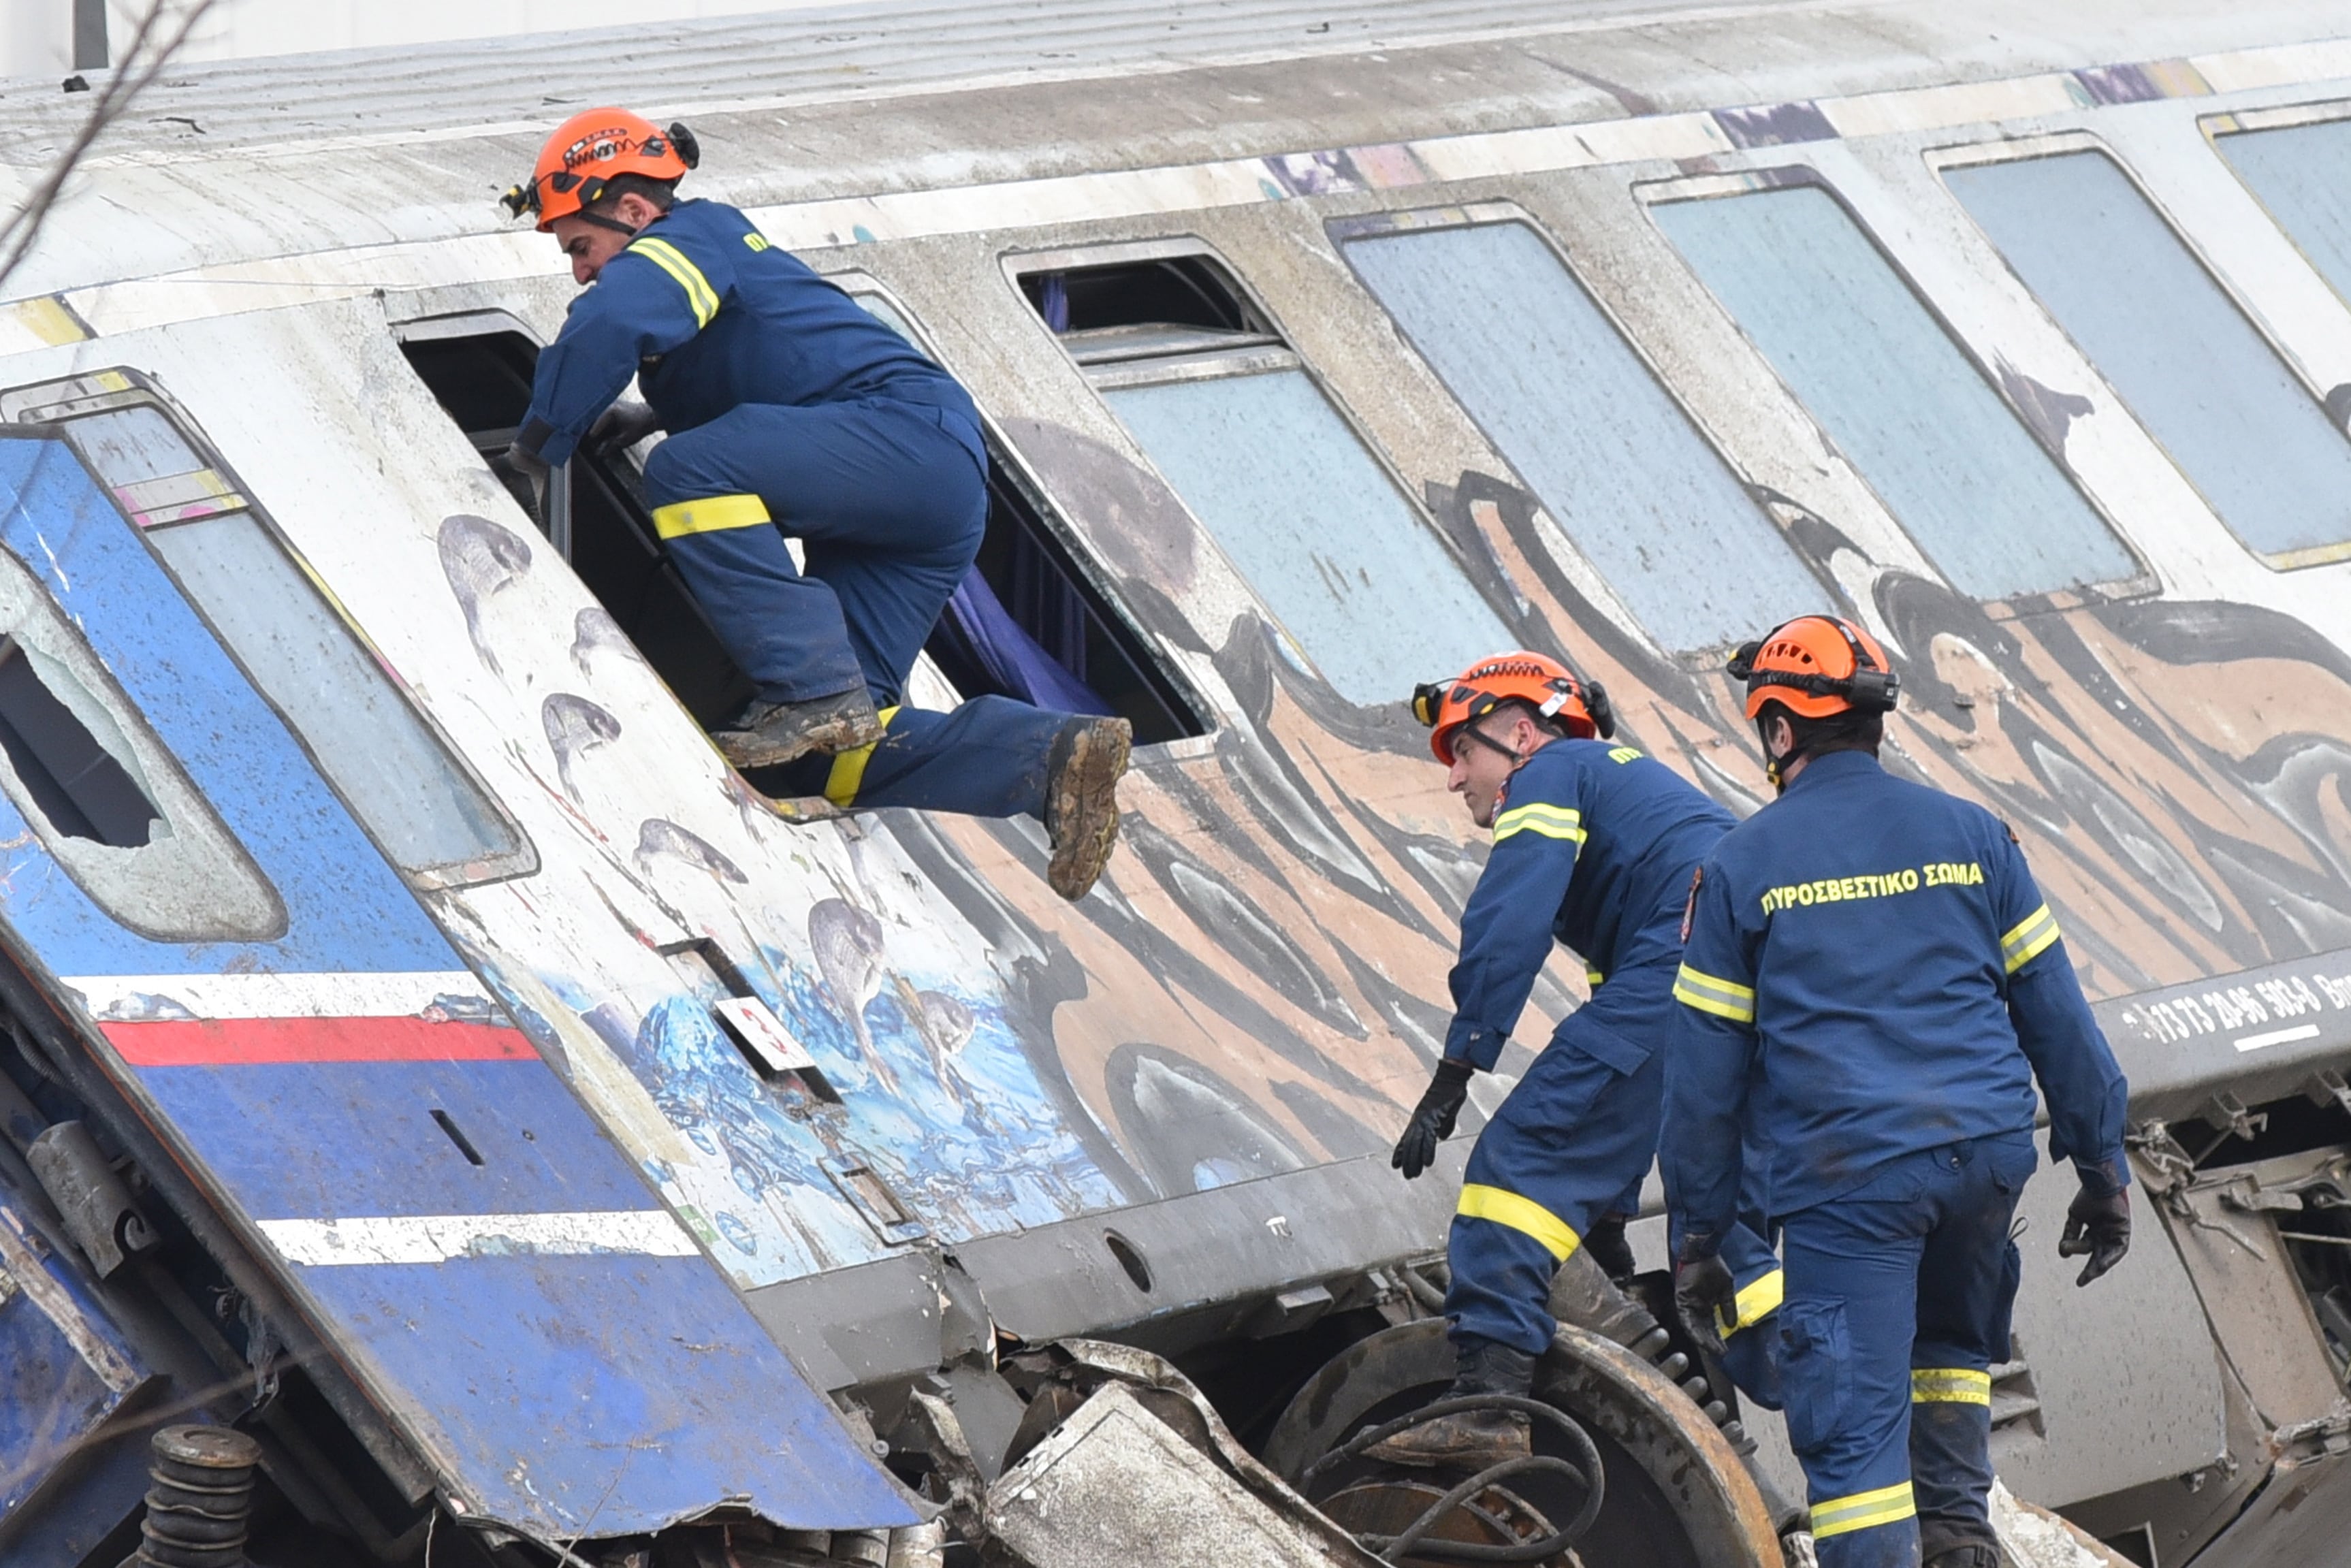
[1879, 949]
[1593, 844]
[707, 315]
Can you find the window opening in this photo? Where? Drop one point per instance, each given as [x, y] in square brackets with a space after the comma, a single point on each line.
[1585, 421]
[431, 816]
[73, 780]
[2173, 345]
[1027, 623]
[80, 764]
[2302, 174]
[1891, 387]
[482, 380]
[1265, 460]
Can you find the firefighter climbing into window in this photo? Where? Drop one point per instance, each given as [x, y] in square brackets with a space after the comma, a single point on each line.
[791, 410]
[1871, 986]
[1593, 844]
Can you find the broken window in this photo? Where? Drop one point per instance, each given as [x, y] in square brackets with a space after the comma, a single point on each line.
[1029, 624]
[1363, 582]
[431, 816]
[1590, 429]
[2172, 342]
[73, 780]
[1886, 383]
[480, 367]
[2302, 174]
[94, 782]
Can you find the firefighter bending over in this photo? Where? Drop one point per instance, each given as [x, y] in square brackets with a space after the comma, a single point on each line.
[792, 410]
[1593, 844]
[1878, 949]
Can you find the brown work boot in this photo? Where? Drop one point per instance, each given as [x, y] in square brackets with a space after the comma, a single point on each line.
[1470, 1439]
[1081, 801]
[766, 733]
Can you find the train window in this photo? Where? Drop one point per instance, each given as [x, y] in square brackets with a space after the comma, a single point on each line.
[1029, 624]
[1566, 399]
[433, 817]
[1081, 655]
[1896, 395]
[2173, 345]
[2302, 174]
[94, 784]
[1272, 469]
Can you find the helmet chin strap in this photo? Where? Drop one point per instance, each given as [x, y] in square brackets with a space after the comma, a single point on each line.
[601, 222]
[1775, 768]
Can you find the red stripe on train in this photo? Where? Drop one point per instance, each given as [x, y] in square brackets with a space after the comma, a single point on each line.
[243, 1042]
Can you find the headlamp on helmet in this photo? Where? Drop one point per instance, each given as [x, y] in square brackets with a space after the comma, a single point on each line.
[1541, 681]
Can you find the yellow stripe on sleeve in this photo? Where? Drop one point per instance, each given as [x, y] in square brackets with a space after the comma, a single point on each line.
[1550, 821]
[1950, 1386]
[1523, 1215]
[713, 514]
[699, 295]
[2029, 939]
[1723, 999]
[1863, 1511]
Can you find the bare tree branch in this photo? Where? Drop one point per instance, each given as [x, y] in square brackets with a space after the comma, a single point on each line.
[163, 29]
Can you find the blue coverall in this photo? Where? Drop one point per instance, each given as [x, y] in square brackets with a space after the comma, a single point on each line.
[1871, 985]
[1593, 844]
[790, 408]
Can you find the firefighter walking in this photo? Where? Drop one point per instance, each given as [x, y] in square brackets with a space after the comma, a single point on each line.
[1871, 986]
[1594, 845]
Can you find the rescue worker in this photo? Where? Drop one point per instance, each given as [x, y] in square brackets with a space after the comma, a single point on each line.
[1593, 844]
[1871, 986]
[791, 409]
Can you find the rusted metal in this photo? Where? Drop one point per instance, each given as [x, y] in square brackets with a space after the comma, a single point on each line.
[201, 1497]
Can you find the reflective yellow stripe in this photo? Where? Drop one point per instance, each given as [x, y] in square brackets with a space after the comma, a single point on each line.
[711, 515]
[699, 295]
[1950, 1386]
[1593, 977]
[1521, 1215]
[1757, 1300]
[848, 775]
[2030, 938]
[1723, 999]
[1550, 821]
[1862, 1511]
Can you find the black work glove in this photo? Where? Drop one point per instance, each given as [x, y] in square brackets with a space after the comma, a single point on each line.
[1702, 1283]
[2098, 1226]
[527, 467]
[1606, 1244]
[1433, 1118]
[624, 425]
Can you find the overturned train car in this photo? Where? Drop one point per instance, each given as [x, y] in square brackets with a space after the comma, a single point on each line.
[426, 1059]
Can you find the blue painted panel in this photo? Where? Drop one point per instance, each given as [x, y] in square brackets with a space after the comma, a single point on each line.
[608, 1392]
[645, 1400]
[347, 910]
[369, 1143]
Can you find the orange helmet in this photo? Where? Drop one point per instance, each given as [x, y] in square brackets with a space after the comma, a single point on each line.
[1544, 684]
[587, 150]
[1817, 665]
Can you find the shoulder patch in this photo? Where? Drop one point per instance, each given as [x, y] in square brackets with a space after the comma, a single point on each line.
[1689, 905]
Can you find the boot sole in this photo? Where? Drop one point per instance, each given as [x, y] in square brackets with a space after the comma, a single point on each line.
[1085, 804]
[751, 748]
